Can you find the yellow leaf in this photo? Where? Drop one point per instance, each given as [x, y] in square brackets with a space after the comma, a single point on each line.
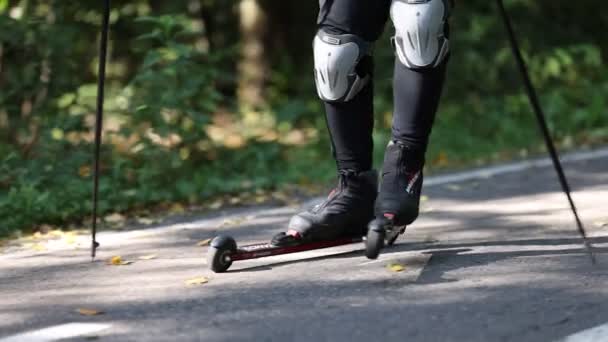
[177, 209]
[56, 232]
[396, 267]
[57, 134]
[203, 243]
[89, 312]
[442, 159]
[117, 261]
[147, 257]
[184, 153]
[70, 239]
[39, 247]
[84, 171]
[197, 281]
[261, 198]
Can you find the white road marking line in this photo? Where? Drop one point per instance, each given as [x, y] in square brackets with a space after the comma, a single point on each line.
[597, 334]
[492, 171]
[58, 332]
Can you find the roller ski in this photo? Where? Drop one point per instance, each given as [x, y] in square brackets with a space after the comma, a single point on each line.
[339, 220]
[223, 250]
[398, 201]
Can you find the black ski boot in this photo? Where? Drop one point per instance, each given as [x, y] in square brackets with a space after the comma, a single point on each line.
[344, 213]
[398, 201]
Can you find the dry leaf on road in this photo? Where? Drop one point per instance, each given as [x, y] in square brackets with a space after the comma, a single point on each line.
[601, 223]
[203, 243]
[396, 267]
[117, 261]
[145, 221]
[114, 218]
[454, 187]
[197, 281]
[39, 247]
[89, 312]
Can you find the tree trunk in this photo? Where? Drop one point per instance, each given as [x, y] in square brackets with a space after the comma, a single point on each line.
[253, 66]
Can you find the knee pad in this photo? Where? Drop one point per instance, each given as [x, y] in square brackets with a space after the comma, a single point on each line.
[338, 75]
[420, 32]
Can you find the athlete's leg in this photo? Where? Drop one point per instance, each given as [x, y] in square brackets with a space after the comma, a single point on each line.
[343, 75]
[422, 48]
[350, 122]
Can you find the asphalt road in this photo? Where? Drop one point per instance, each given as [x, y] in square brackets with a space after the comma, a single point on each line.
[491, 259]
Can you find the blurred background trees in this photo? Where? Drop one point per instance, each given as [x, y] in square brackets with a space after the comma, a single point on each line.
[212, 97]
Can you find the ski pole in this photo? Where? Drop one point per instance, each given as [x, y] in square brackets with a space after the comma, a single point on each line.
[103, 49]
[542, 123]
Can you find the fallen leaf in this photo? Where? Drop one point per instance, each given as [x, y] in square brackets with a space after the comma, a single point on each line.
[261, 198]
[117, 261]
[197, 281]
[430, 239]
[177, 209]
[442, 159]
[70, 239]
[89, 312]
[454, 187]
[145, 221]
[147, 257]
[57, 134]
[39, 247]
[233, 222]
[396, 267]
[114, 218]
[203, 243]
[601, 223]
[84, 171]
[45, 229]
[56, 233]
[215, 205]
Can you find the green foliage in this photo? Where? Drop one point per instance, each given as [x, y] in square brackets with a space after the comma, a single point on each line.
[172, 77]
[175, 80]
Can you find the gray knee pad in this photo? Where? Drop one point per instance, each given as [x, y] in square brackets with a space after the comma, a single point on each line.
[420, 32]
[336, 60]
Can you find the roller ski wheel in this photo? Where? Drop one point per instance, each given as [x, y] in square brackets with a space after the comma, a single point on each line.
[381, 232]
[374, 241]
[219, 255]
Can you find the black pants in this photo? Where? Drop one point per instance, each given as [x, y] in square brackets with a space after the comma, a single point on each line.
[416, 92]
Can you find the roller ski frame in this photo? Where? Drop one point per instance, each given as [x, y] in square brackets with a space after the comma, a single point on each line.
[381, 232]
[223, 250]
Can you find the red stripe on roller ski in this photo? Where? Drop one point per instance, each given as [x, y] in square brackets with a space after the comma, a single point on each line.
[261, 250]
